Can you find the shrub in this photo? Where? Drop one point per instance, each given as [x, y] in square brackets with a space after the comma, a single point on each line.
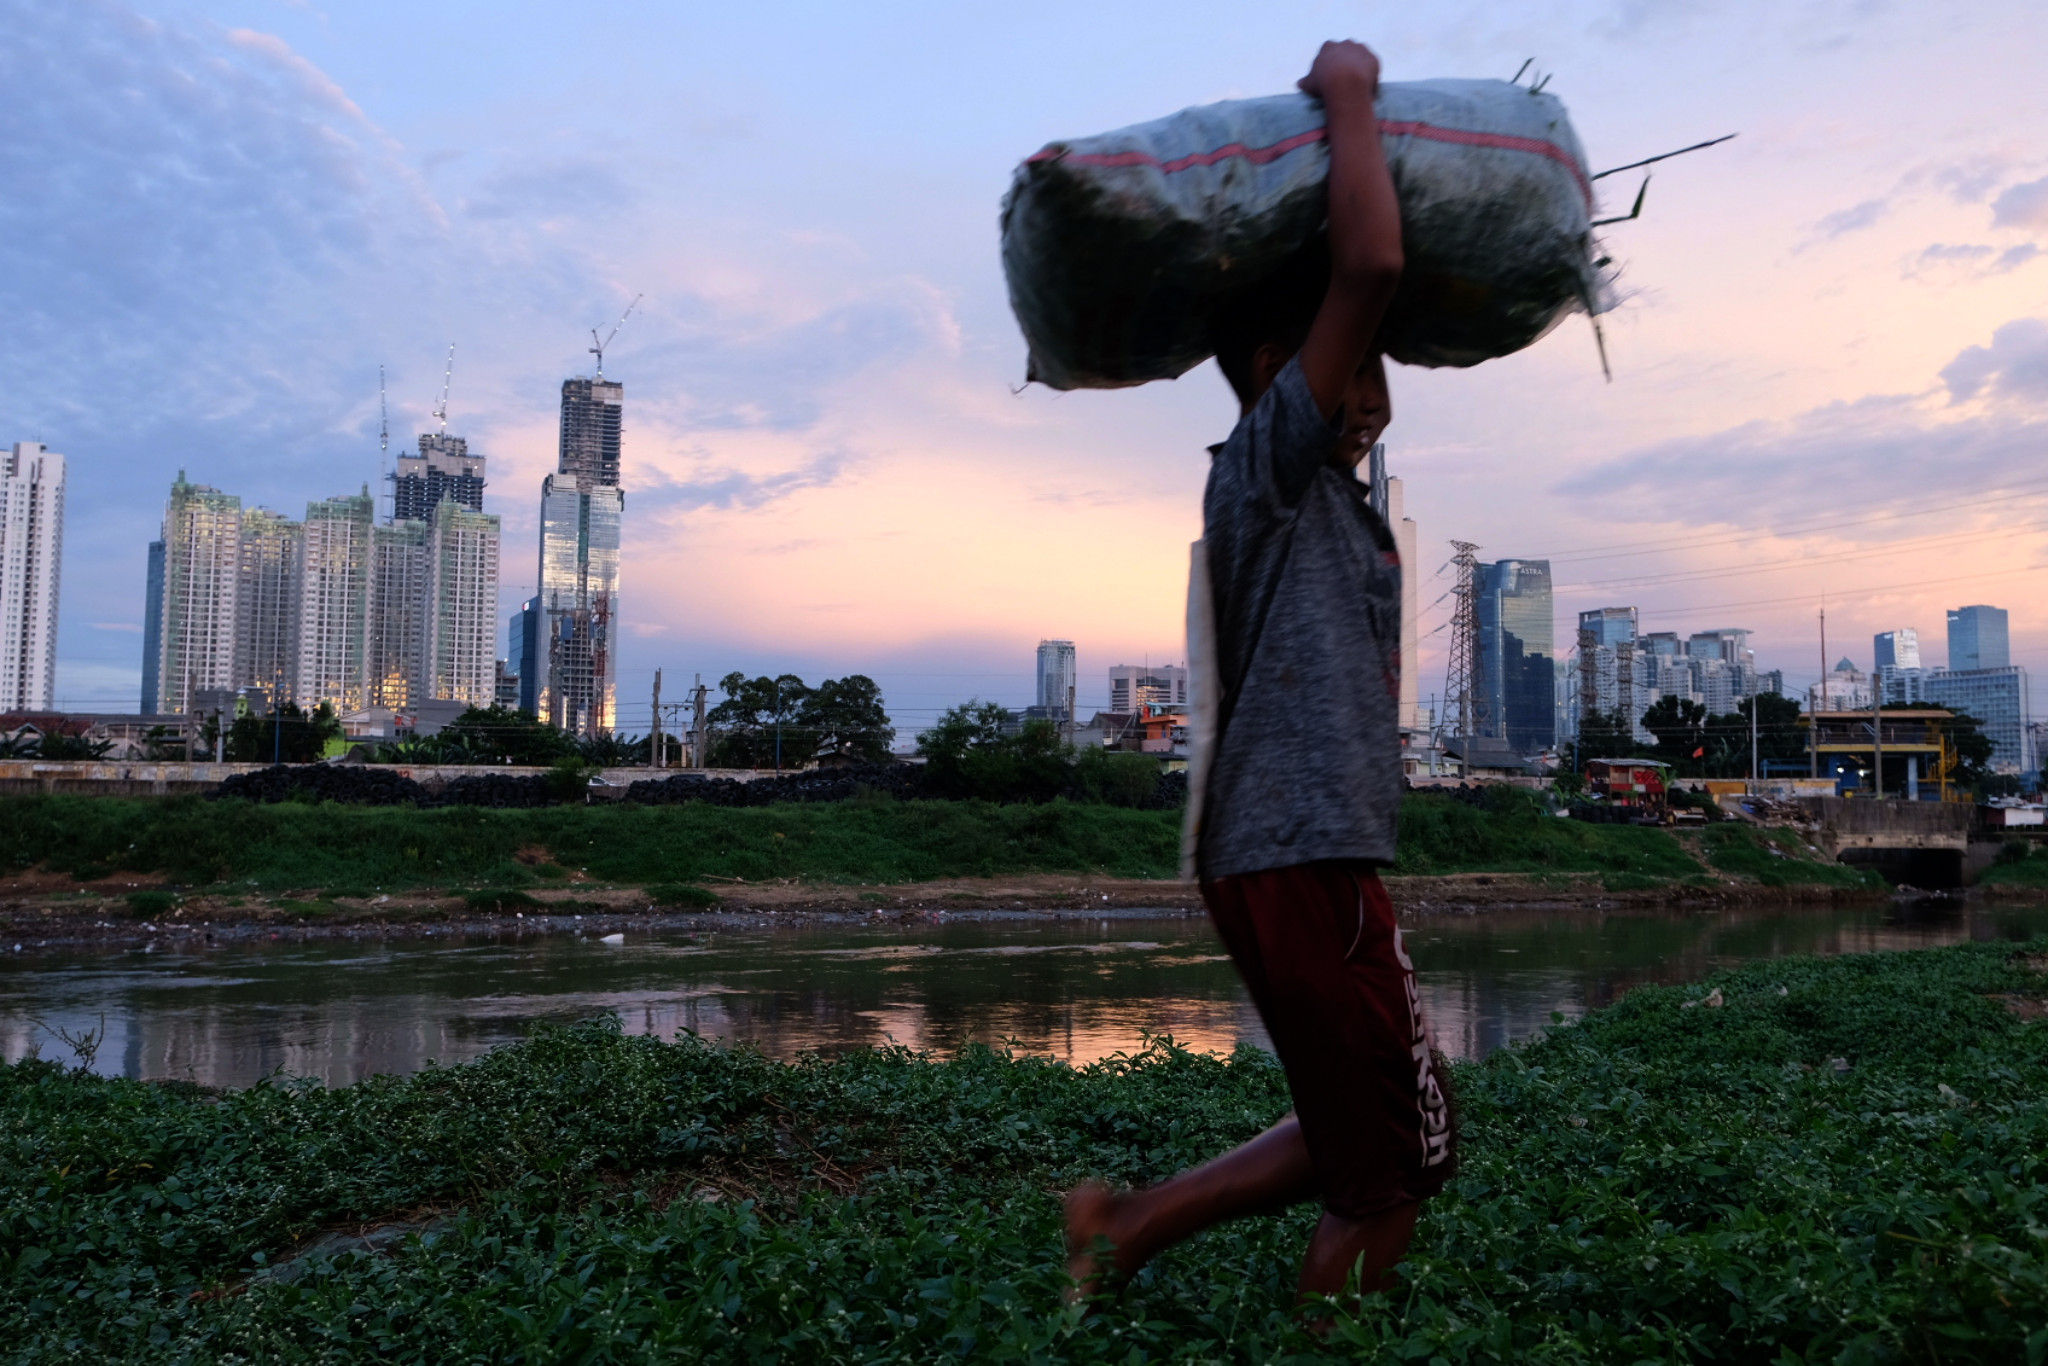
[1116, 777]
[153, 902]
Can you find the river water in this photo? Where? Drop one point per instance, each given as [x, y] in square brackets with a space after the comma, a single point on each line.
[1077, 988]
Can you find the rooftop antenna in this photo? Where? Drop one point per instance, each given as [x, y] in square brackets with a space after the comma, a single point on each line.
[598, 349]
[441, 409]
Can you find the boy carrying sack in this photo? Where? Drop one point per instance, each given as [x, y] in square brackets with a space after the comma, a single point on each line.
[1296, 594]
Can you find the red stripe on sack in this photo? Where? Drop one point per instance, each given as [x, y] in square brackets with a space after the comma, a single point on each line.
[1505, 142]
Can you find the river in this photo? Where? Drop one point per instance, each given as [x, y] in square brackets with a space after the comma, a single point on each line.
[1078, 988]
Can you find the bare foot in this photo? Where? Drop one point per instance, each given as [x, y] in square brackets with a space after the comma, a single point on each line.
[1097, 1214]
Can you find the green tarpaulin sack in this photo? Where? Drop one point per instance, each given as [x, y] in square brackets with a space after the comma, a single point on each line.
[1119, 248]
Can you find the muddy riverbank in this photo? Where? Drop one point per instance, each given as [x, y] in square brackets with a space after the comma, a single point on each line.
[40, 911]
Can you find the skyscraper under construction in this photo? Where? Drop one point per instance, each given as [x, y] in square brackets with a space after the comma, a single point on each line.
[573, 617]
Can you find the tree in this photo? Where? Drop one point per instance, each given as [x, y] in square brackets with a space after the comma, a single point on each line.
[1973, 750]
[1780, 738]
[57, 745]
[1680, 725]
[967, 754]
[847, 717]
[760, 719]
[1603, 735]
[289, 736]
[487, 735]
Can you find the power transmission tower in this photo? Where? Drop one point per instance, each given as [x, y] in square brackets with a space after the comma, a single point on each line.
[1461, 682]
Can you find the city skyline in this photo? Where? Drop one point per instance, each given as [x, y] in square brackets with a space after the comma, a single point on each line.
[825, 356]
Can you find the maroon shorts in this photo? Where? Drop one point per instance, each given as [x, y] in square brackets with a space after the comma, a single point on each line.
[1320, 953]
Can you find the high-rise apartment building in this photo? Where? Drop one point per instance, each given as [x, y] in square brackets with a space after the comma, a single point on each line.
[336, 575]
[1056, 674]
[461, 647]
[202, 565]
[443, 469]
[153, 630]
[267, 603]
[574, 664]
[399, 583]
[31, 554]
[1516, 678]
[1133, 686]
[1978, 638]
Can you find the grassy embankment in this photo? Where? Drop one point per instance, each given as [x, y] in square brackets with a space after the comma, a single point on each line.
[351, 850]
[1665, 1180]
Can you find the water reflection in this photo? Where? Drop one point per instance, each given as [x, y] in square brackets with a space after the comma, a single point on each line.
[1075, 989]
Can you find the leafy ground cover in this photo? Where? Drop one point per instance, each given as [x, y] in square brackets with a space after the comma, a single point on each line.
[1844, 1160]
[1776, 858]
[290, 846]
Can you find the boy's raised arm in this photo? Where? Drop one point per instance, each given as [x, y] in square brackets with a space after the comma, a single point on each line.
[1365, 222]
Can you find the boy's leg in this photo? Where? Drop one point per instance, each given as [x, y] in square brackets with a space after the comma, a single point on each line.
[1374, 1245]
[1266, 1174]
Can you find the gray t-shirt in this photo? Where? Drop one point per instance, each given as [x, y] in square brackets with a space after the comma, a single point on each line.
[1307, 593]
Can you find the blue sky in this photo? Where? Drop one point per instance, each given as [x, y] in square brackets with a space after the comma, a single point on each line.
[217, 220]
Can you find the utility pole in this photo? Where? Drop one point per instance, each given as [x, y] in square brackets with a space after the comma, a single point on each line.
[1072, 721]
[698, 750]
[1752, 744]
[1820, 695]
[778, 727]
[1876, 731]
[654, 739]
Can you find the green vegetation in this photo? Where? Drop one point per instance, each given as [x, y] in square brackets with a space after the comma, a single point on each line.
[1508, 830]
[1666, 1180]
[369, 850]
[783, 722]
[283, 846]
[152, 903]
[1776, 859]
[2020, 863]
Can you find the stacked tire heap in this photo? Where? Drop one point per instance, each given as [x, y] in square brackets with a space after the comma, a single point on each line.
[901, 781]
[361, 785]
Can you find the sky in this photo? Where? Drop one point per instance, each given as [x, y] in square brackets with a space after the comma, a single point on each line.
[217, 220]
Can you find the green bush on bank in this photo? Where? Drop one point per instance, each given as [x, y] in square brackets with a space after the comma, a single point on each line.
[286, 845]
[1660, 1181]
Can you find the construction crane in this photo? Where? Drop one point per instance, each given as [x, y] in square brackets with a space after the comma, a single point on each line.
[441, 408]
[598, 349]
[383, 437]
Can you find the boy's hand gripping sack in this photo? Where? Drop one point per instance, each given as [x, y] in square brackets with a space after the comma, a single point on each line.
[1119, 248]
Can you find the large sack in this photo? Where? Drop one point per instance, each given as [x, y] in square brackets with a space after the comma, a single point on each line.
[1118, 248]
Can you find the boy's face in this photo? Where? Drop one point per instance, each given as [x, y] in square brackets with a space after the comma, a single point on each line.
[1368, 408]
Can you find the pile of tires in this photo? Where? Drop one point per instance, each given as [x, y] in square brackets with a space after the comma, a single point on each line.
[812, 785]
[355, 784]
